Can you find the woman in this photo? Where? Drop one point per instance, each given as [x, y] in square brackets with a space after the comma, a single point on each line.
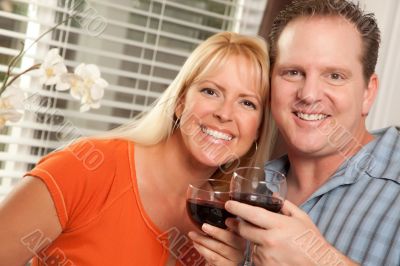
[119, 199]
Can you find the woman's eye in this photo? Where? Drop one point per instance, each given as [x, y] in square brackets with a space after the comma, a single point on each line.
[209, 91]
[249, 104]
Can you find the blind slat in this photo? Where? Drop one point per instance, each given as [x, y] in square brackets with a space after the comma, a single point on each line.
[104, 37]
[68, 97]
[97, 52]
[50, 128]
[22, 158]
[30, 142]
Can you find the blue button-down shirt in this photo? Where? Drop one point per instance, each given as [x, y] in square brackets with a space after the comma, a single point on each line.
[358, 208]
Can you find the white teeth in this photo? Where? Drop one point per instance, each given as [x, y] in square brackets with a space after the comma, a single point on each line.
[216, 134]
[311, 117]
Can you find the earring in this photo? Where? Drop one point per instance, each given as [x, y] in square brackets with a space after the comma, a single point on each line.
[176, 123]
[253, 152]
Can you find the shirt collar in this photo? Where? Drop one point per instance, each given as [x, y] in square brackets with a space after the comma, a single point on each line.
[378, 156]
[385, 155]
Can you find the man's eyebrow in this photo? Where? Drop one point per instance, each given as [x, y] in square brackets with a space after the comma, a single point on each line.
[287, 66]
[325, 69]
[337, 68]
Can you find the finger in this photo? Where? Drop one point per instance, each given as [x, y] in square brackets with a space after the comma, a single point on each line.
[255, 215]
[257, 260]
[214, 247]
[212, 257]
[252, 233]
[232, 224]
[224, 236]
[290, 209]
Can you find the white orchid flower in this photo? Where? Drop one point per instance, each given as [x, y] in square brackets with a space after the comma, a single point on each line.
[86, 85]
[92, 90]
[11, 104]
[51, 70]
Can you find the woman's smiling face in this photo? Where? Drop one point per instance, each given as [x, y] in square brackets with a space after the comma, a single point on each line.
[220, 114]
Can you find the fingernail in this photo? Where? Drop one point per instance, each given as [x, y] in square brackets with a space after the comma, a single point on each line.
[205, 228]
[192, 235]
[228, 204]
[229, 222]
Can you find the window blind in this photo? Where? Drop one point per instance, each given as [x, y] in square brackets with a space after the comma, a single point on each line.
[139, 46]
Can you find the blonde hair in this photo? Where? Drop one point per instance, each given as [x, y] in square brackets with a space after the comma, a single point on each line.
[157, 124]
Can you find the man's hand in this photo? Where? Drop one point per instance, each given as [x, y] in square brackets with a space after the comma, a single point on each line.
[289, 238]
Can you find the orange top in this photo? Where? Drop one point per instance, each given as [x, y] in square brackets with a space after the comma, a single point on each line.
[94, 189]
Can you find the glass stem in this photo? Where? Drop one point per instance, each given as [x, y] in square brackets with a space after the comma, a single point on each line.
[248, 256]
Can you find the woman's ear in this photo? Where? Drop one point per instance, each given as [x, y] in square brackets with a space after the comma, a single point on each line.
[180, 106]
[370, 94]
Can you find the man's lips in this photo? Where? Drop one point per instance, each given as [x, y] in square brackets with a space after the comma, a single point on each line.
[311, 116]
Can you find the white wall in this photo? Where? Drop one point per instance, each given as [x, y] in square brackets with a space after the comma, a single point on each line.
[386, 110]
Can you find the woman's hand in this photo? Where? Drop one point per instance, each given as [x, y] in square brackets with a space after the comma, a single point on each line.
[219, 246]
[290, 238]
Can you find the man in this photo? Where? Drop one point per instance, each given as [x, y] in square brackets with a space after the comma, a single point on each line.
[345, 180]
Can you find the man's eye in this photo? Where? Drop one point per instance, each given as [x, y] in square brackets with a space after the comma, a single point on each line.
[336, 76]
[292, 75]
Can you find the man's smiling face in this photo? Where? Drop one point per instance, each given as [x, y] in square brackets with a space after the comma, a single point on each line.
[317, 82]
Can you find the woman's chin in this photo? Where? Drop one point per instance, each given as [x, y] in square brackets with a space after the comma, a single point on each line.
[218, 160]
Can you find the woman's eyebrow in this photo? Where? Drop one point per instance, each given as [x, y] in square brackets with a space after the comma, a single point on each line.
[223, 89]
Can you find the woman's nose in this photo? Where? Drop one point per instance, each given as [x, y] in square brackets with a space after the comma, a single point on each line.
[224, 112]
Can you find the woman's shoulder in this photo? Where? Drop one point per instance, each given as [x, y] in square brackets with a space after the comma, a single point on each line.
[87, 155]
[97, 147]
[84, 175]
[100, 143]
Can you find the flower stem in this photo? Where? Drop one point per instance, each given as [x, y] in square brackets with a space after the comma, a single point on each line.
[22, 52]
[17, 76]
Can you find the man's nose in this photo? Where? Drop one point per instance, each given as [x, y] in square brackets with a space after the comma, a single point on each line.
[310, 90]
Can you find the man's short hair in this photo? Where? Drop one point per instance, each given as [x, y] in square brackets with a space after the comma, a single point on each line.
[365, 24]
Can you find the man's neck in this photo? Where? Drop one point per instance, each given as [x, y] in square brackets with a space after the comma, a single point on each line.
[307, 173]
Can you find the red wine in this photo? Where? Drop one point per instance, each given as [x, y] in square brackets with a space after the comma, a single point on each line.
[264, 201]
[211, 212]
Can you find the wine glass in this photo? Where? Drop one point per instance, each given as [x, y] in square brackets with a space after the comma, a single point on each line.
[259, 187]
[205, 200]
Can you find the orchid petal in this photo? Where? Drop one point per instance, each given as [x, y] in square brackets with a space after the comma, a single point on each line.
[96, 92]
[62, 86]
[75, 93]
[95, 105]
[84, 108]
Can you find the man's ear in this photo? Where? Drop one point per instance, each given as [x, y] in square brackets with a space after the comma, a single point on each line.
[370, 94]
